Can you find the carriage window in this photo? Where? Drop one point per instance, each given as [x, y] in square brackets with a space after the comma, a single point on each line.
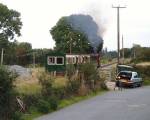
[51, 60]
[59, 60]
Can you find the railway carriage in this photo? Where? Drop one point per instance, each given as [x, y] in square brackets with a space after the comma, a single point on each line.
[57, 61]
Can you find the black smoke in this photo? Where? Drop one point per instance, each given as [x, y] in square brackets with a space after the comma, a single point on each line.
[88, 26]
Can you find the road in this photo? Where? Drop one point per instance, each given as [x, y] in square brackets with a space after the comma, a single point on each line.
[129, 104]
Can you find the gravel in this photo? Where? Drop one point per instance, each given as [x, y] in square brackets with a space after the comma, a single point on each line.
[21, 71]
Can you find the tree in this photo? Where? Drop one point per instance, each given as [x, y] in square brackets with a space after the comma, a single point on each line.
[10, 25]
[127, 52]
[10, 53]
[40, 55]
[69, 40]
[23, 53]
[7, 92]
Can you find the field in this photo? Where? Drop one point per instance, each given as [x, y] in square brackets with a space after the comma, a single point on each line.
[31, 85]
[143, 64]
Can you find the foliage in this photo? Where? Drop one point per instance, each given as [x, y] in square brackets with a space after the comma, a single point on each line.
[53, 101]
[17, 116]
[31, 100]
[54, 97]
[73, 85]
[143, 54]
[146, 81]
[21, 53]
[70, 71]
[7, 92]
[127, 52]
[137, 53]
[46, 81]
[110, 54]
[59, 92]
[10, 24]
[67, 38]
[18, 53]
[144, 72]
[40, 55]
[43, 106]
[74, 99]
[90, 74]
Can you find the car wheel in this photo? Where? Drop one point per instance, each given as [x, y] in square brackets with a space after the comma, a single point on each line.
[140, 84]
[134, 85]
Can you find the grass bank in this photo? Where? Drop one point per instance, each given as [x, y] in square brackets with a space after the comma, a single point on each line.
[63, 103]
[143, 69]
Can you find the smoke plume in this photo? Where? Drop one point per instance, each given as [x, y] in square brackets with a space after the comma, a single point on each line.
[88, 26]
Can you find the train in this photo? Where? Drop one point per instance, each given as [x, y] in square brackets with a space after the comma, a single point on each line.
[58, 61]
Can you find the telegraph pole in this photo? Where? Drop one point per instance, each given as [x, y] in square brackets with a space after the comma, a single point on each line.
[122, 50]
[33, 59]
[118, 31]
[2, 55]
[70, 46]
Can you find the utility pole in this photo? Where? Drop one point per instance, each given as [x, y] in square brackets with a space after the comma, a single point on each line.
[118, 31]
[70, 42]
[70, 47]
[2, 55]
[33, 59]
[122, 50]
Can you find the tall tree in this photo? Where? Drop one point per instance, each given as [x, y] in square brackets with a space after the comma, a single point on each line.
[10, 23]
[23, 53]
[69, 40]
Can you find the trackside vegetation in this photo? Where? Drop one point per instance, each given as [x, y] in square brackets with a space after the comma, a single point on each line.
[50, 97]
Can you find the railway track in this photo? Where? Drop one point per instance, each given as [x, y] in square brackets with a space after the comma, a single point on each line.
[106, 65]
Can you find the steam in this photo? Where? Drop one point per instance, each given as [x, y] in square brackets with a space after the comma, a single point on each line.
[87, 25]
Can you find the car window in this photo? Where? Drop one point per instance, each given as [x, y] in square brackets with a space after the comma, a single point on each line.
[125, 74]
[135, 76]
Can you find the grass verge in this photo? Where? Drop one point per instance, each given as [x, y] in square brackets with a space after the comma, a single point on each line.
[147, 81]
[75, 99]
[62, 104]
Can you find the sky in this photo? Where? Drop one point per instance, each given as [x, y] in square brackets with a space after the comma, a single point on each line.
[39, 16]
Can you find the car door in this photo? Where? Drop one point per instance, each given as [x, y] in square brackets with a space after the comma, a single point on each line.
[135, 77]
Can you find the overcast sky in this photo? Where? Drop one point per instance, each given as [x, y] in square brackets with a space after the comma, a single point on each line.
[39, 16]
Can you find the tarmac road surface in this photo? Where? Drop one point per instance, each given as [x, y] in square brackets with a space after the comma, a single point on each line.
[129, 104]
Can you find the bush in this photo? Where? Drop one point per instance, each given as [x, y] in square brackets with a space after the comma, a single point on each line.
[59, 92]
[70, 71]
[43, 106]
[46, 81]
[73, 84]
[90, 74]
[146, 81]
[31, 100]
[144, 72]
[53, 103]
[72, 87]
[17, 116]
[8, 103]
